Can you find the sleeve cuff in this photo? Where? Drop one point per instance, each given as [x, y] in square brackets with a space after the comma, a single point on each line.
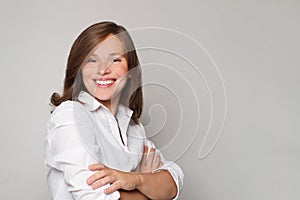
[176, 174]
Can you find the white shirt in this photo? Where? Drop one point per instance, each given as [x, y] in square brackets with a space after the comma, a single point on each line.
[83, 133]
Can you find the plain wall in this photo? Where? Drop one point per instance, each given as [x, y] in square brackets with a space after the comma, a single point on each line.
[255, 45]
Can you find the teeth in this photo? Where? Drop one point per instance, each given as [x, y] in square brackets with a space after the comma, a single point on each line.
[104, 82]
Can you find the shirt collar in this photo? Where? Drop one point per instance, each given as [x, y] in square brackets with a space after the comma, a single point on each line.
[123, 115]
[92, 104]
[89, 101]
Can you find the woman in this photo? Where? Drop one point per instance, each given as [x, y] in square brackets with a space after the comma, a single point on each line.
[96, 120]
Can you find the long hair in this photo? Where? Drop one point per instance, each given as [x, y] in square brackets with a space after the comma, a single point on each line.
[131, 96]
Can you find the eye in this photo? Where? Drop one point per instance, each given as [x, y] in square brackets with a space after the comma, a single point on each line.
[91, 60]
[116, 60]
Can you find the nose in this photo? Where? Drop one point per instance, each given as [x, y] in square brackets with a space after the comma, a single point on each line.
[103, 68]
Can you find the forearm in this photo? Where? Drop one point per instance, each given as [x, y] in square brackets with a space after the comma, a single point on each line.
[133, 194]
[158, 185]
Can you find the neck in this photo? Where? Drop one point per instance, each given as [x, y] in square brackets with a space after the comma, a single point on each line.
[111, 105]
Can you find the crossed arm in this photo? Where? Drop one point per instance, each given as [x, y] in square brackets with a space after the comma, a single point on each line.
[65, 153]
[70, 149]
[136, 185]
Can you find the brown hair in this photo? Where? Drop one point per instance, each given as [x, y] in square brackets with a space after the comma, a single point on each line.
[132, 95]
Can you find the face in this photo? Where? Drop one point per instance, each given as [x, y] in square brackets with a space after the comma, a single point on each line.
[105, 70]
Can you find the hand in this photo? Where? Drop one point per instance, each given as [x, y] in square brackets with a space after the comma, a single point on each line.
[118, 179]
[148, 163]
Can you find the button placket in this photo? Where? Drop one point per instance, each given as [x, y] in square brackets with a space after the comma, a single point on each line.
[114, 128]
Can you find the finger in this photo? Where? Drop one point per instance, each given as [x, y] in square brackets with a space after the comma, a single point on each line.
[157, 161]
[104, 181]
[95, 167]
[114, 187]
[96, 176]
[145, 149]
[150, 157]
[144, 157]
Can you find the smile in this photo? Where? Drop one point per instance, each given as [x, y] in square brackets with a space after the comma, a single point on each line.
[105, 83]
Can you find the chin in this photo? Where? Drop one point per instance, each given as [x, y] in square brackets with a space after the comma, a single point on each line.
[103, 98]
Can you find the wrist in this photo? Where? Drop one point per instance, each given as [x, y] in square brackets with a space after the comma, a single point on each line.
[139, 180]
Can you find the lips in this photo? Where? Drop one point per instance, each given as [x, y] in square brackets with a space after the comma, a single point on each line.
[105, 83]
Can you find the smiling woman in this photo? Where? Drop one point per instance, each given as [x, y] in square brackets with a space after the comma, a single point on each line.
[96, 147]
[105, 72]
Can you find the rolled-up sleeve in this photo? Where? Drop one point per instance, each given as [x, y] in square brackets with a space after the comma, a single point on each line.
[67, 155]
[171, 167]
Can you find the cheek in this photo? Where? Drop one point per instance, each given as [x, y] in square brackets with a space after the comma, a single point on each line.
[86, 73]
[86, 76]
[123, 69]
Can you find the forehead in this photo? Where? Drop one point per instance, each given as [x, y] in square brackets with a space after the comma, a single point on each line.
[110, 45]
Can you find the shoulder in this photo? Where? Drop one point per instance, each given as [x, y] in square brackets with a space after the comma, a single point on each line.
[70, 112]
[71, 121]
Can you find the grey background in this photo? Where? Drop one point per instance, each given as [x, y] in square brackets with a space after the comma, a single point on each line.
[255, 45]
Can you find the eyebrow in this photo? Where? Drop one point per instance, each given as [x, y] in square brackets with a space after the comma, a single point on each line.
[111, 54]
